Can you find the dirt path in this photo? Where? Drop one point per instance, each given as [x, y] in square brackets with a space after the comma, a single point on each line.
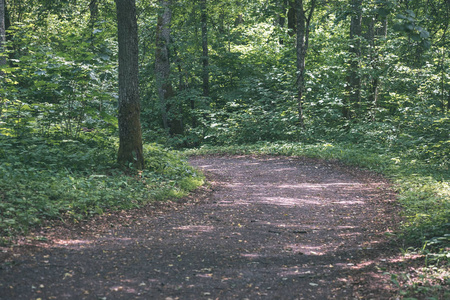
[272, 228]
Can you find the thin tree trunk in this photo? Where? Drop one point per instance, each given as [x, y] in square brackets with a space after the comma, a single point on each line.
[130, 135]
[2, 33]
[292, 16]
[354, 79]
[7, 18]
[377, 27]
[302, 31]
[2, 44]
[448, 101]
[280, 19]
[162, 63]
[172, 123]
[372, 97]
[300, 27]
[205, 54]
[93, 9]
[443, 73]
[445, 37]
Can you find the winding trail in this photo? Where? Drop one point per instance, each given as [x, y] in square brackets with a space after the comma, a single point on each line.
[271, 228]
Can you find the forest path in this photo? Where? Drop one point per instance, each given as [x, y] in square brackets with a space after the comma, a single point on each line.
[271, 228]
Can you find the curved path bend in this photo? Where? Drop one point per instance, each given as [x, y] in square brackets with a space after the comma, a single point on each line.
[272, 228]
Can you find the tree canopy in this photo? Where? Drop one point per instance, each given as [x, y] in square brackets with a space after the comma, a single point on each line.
[232, 71]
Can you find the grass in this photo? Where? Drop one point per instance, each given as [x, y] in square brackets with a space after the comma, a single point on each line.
[43, 179]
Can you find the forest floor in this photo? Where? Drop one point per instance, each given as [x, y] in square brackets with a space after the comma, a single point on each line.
[264, 228]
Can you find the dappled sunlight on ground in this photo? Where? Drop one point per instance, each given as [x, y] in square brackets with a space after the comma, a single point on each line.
[274, 228]
[195, 228]
[287, 201]
[72, 242]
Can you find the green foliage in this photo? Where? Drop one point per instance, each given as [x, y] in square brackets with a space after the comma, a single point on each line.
[43, 179]
[61, 79]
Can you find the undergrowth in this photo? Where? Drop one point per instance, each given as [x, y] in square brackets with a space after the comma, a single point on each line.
[44, 179]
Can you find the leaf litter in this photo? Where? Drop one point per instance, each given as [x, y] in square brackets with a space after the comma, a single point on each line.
[264, 228]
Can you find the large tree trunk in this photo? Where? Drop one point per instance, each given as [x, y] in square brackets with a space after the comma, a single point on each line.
[130, 136]
[302, 30]
[205, 54]
[353, 77]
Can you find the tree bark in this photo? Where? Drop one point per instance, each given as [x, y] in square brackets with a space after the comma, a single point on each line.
[130, 135]
[2, 45]
[292, 16]
[353, 78]
[93, 9]
[376, 28]
[162, 64]
[302, 30]
[205, 54]
[2, 33]
[448, 101]
[280, 19]
[172, 124]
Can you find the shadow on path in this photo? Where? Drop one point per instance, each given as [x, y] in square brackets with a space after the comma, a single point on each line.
[274, 228]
